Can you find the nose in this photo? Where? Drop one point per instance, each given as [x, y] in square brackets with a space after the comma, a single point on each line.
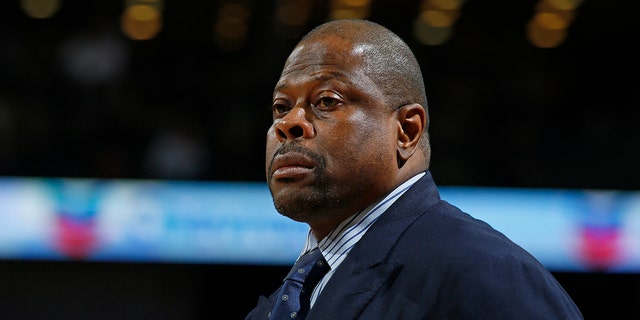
[294, 125]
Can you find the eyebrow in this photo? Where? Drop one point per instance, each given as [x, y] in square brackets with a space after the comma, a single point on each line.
[325, 76]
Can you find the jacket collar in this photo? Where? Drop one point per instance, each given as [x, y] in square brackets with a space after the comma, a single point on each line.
[365, 269]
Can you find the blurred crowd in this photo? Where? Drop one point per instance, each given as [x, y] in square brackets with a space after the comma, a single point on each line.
[79, 99]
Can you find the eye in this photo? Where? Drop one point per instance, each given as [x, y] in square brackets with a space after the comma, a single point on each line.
[279, 108]
[327, 102]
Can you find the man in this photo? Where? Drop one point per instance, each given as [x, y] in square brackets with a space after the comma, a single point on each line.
[348, 153]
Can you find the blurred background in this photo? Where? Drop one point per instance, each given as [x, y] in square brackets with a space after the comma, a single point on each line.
[522, 94]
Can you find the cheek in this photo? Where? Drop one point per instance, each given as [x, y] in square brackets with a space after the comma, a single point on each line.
[377, 146]
[271, 145]
[272, 140]
[363, 140]
[371, 130]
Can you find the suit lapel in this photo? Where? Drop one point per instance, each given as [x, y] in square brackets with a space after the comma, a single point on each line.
[366, 268]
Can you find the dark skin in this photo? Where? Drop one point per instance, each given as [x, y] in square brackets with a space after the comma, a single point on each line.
[336, 145]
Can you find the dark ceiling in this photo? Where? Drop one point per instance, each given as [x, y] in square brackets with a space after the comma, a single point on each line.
[503, 112]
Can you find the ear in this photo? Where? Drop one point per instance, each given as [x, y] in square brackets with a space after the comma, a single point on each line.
[412, 121]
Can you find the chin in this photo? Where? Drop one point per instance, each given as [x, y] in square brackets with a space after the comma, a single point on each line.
[296, 204]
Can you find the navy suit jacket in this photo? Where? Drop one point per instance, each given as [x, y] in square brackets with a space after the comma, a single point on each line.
[426, 259]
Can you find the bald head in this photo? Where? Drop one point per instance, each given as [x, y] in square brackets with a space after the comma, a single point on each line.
[387, 58]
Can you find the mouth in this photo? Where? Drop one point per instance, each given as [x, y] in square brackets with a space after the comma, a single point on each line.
[291, 166]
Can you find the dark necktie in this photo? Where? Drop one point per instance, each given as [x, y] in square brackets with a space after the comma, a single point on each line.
[293, 300]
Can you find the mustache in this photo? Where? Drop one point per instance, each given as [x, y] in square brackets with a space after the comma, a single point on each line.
[288, 147]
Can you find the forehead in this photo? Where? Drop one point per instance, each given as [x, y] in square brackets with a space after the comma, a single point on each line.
[328, 57]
